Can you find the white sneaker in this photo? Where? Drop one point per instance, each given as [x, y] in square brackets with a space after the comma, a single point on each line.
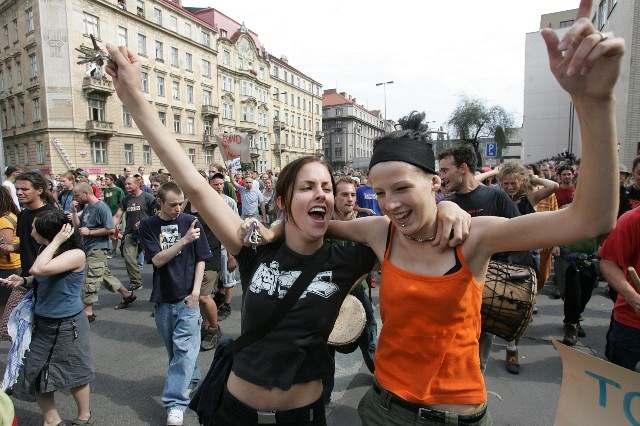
[175, 417]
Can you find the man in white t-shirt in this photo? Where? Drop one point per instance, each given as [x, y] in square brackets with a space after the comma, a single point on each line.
[10, 174]
[145, 177]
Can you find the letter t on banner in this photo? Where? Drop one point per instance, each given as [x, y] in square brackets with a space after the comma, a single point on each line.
[596, 392]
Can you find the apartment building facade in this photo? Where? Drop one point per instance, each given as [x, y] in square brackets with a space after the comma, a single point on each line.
[349, 130]
[56, 117]
[262, 95]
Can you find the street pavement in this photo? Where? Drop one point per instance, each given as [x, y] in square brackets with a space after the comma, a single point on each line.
[130, 363]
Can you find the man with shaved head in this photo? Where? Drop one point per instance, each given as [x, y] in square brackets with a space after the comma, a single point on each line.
[135, 207]
[95, 225]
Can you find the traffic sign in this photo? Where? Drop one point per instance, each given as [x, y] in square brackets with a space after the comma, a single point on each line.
[492, 150]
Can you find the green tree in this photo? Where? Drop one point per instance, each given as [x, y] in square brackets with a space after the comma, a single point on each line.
[473, 119]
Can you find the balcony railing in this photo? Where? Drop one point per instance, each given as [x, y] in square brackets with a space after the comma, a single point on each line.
[279, 125]
[210, 110]
[319, 135]
[98, 127]
[254, 152]
[100, 86]
[209, 140]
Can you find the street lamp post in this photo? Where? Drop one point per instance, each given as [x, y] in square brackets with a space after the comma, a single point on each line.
[384, 86]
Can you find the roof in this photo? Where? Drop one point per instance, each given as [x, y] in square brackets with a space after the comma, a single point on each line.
[187, 11]
[285, 64]
[331, 97]
[223, 22]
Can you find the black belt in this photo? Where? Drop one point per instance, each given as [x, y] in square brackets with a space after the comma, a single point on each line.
[428, 413]
[302, 415]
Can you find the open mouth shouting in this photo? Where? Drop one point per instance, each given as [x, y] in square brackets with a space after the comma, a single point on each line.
[318, 214]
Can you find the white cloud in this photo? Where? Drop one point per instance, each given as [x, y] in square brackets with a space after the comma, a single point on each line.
[434, 51]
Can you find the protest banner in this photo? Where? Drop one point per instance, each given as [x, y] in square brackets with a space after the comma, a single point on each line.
[596, 392]
[234, 145]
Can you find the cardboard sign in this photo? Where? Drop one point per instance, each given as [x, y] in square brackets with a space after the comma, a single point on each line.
[596, 392]
[234, 145]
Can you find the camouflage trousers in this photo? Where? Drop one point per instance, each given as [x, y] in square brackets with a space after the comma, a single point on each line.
[97, 273]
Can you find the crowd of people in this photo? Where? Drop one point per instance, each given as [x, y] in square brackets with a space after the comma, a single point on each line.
[424, 228]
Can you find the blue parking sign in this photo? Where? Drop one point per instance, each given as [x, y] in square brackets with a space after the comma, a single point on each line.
[492, 150]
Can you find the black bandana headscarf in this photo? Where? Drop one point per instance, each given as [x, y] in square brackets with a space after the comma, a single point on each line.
[413, 151]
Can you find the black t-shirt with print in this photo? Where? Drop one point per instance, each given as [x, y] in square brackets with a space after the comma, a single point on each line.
[137, 209]
[296, 350]
[173, 281]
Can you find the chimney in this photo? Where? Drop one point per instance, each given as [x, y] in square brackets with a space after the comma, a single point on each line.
[284, 59]
[354, 100]
[330, 91]
[344, 94]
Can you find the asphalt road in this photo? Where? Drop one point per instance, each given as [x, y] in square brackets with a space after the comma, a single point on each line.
[130, 362]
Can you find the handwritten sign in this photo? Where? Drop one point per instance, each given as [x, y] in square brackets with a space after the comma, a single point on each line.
[234, 145]
[596, 392]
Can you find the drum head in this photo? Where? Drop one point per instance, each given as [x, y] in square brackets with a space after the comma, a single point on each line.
[350, 323]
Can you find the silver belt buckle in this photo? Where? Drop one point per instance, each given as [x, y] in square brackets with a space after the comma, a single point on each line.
[266, 417]
[423, 413]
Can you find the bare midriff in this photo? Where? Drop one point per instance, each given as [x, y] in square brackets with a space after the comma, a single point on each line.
[263, 399]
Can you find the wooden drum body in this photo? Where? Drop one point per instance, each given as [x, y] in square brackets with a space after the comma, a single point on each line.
[508, 299]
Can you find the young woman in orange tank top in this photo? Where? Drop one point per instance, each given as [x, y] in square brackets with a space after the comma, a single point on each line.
[427, 366]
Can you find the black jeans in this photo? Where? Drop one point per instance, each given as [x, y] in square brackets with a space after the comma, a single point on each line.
[366, 342]
[623, 345]
[579, 284]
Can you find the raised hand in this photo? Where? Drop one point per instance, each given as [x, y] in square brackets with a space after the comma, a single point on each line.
[64, 234]
[585, 62]
[193, 233]
[124, 69]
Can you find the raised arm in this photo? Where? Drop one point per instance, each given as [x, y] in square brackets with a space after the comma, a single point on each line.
[587, 66]
[47, 265]
[124, 70]
[548, 188]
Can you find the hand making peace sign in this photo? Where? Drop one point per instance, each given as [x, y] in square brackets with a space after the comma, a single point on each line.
[585, 62]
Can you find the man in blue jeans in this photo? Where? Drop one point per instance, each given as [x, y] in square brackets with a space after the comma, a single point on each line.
[172, 241]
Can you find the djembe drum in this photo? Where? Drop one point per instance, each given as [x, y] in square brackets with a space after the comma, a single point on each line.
[508, 299]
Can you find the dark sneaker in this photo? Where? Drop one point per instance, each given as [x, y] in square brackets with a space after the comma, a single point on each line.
[512, 365]
[210, 338]
[581, 332]
[570, 334]
[126, 301]
[224, 311]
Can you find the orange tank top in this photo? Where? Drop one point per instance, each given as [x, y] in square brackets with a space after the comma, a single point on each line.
[428, 349]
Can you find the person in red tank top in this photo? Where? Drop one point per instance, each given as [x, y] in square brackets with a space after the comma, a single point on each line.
[427, 367]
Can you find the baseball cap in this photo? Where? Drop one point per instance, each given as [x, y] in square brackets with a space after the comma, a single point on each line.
[83, 173]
